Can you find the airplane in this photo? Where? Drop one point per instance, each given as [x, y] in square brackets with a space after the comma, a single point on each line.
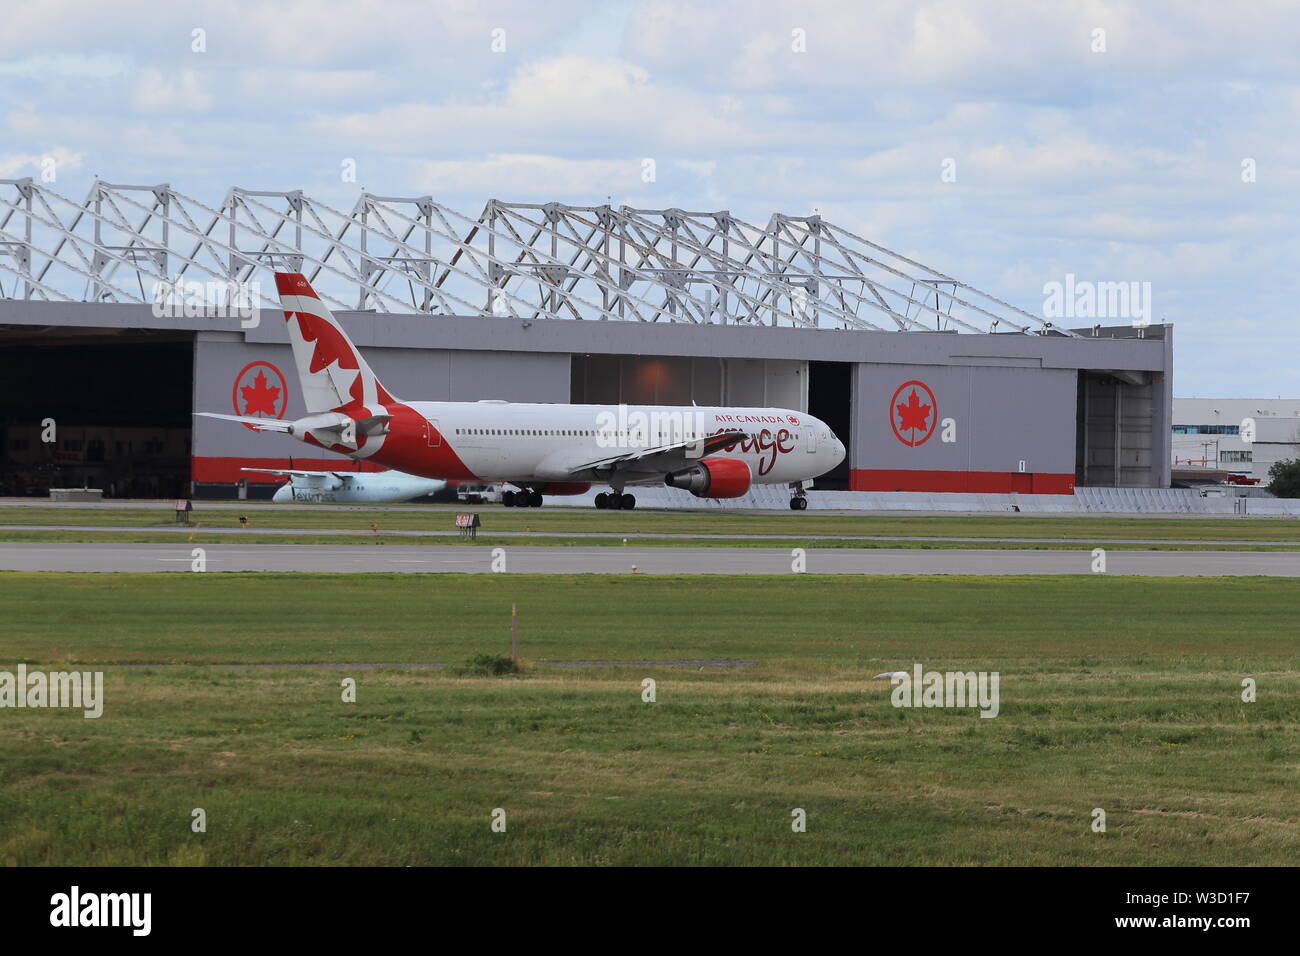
[349, 487]
[539, 449]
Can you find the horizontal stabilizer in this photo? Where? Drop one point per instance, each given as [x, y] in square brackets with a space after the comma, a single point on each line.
[332, 423]
[261, 424]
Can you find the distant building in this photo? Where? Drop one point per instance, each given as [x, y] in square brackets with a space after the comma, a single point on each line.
[1208, 433]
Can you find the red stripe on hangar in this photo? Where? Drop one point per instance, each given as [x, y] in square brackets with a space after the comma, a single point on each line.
[968, 482]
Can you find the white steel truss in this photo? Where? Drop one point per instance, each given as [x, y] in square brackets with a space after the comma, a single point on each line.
[410, 254]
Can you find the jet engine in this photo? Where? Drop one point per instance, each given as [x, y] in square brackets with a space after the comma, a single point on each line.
[713, 478]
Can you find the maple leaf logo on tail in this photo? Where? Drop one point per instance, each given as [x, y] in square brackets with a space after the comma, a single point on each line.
[330, 345]
[331, 370]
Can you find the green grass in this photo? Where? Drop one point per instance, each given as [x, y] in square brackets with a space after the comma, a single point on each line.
[1116, 693]
[560, 521]
[486, 665]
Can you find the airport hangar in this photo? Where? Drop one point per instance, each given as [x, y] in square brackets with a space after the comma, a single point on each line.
[117, 324]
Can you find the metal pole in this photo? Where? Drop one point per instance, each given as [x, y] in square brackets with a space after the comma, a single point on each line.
[514, 632]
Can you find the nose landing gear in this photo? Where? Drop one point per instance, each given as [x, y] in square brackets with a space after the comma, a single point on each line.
[799, 499]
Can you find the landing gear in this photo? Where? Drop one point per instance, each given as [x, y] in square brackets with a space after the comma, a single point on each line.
[616, 501]
[521, 499]
[799, 495]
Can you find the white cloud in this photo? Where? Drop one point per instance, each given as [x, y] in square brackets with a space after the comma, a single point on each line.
[325, 34]
[1024, 49]
[60, 159]
[505, 176]
[1121, 164]
[184, 92]
[320, 88]
[39, 67]
[576, 103]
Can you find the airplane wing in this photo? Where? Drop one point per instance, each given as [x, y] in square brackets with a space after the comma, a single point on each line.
[294, 472]
[261, 424]
[663, 458]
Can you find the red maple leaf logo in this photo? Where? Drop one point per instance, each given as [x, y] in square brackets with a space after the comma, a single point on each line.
[911, 417]
[331, 346]
[260, 397]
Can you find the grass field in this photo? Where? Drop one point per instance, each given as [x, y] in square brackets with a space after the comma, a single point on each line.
[563, 527]
[1116, 693]
[562, 521]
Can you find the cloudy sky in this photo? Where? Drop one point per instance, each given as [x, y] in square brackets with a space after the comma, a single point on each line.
[1146, 141]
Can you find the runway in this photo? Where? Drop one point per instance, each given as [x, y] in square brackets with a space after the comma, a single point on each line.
[530, 559]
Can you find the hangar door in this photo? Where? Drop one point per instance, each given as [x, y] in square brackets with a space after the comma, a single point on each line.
[1113, 430]
[119, 401]
[681, 380]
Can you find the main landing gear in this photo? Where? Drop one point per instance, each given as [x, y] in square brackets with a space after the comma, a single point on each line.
[616, 501]
[521, 499]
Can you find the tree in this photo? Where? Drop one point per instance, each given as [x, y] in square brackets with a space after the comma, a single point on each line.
[1284, 479]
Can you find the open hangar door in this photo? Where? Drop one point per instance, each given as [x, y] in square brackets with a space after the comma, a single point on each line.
[1115, 429]
[683, 380]
[823, 389]
[120, 402]
[830, 398]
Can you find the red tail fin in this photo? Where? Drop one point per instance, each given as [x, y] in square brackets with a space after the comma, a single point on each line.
[331, 370]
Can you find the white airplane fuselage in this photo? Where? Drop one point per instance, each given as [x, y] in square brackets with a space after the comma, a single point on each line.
[553, 449]
[526, 443]
[372, 487]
